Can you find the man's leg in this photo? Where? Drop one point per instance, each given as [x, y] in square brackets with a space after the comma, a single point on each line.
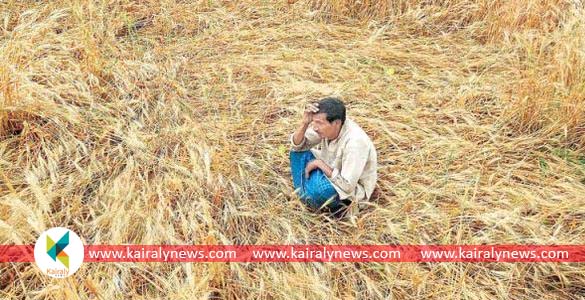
[320, 190]
[316, 190]
[298, 163]
[323, 194]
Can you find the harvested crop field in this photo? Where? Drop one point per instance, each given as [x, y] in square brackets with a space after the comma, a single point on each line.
[168, 122]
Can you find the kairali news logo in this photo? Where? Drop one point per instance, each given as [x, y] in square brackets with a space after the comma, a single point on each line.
[59, 252]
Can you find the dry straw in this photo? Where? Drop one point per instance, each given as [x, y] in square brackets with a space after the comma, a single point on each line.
[167, 122]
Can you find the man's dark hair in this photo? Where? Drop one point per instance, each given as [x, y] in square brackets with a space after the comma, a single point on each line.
[333, 108]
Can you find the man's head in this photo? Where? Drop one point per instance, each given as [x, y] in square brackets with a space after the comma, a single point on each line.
[327, 122]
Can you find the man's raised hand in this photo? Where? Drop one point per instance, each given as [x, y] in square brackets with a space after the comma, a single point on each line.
[310, 109]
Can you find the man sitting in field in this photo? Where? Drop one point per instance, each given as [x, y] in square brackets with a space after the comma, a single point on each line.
[333, 161]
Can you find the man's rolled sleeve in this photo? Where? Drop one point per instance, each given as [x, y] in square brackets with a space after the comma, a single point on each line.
[334, 173]
[310, 139]
[295, 147]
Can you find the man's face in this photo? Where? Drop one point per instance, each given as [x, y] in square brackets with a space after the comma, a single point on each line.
[324, 128]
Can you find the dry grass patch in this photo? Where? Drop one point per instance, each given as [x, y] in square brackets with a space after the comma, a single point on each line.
[164, 122]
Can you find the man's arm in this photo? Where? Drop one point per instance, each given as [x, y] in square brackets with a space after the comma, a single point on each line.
[308, 140]
[317, 163]
[355, 158]
[299, 137]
